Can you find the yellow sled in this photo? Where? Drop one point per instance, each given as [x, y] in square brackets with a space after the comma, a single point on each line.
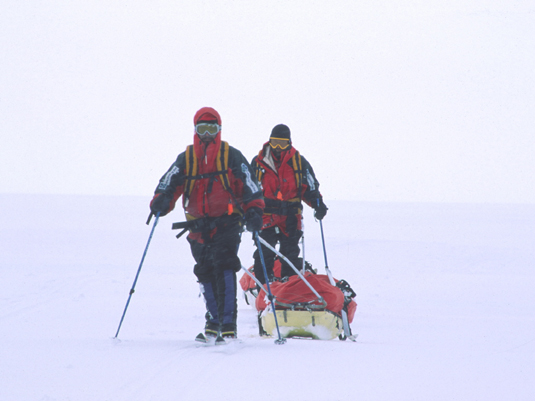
[319, 325]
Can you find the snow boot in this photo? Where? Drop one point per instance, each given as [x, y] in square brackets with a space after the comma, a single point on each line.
[228, 330]
[211, 329]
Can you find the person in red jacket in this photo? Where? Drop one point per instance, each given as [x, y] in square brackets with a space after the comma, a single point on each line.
[219, 191]
[287, 178]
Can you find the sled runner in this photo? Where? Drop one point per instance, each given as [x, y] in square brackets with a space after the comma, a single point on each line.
[301, 311]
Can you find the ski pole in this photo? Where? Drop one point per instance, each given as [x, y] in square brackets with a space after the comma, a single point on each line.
[345, 320]
[280, 340]
[329, 274]
[138, 271]
[331, 279]
[303, 267]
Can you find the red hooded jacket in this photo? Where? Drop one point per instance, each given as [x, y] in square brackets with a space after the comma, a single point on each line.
[208, 196]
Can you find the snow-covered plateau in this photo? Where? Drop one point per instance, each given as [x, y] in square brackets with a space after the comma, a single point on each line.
[445, 293]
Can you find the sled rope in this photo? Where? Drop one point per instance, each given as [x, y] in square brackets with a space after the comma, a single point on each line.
[252, 276]
[267, 245]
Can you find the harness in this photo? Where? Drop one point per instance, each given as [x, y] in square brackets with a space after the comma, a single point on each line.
[283, 208]
[205, 225]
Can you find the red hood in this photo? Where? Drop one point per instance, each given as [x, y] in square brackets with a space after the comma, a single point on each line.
[209, 111]
[206, 160]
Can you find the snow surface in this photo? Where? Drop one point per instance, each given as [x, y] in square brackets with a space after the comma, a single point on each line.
[445, 307]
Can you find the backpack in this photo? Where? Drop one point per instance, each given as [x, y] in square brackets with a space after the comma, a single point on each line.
[192, 174]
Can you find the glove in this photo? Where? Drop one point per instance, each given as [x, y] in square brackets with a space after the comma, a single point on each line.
[253, 219]
[320, 209]
[161, 203]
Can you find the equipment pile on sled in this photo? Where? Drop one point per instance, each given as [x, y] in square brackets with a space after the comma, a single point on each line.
[309, 307]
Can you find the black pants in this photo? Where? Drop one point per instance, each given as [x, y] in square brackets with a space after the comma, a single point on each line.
[216, 266]
[289, 247]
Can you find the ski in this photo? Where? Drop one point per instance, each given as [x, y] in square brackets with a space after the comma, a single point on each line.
[201, 338]
[207, 340]
[220, 341]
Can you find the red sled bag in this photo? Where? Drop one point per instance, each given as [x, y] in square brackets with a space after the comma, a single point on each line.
[295, 294]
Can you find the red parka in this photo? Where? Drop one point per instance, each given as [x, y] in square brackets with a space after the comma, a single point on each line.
[285, 183]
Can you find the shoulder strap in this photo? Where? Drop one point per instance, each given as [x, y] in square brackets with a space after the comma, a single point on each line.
[192, 168]
[259, 172]
[222, 164]
[298, 170]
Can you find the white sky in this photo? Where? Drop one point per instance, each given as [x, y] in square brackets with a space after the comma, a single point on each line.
[389, 100]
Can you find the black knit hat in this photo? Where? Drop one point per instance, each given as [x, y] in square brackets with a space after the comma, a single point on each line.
[280, 131]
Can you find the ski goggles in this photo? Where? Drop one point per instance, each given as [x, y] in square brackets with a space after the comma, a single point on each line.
[207, 129]
[281, 143]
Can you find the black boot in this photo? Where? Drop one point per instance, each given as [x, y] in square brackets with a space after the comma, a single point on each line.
[211, 329]
[228, 330]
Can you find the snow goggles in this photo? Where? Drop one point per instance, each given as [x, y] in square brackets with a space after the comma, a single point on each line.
[281, 143]
[207, 129]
